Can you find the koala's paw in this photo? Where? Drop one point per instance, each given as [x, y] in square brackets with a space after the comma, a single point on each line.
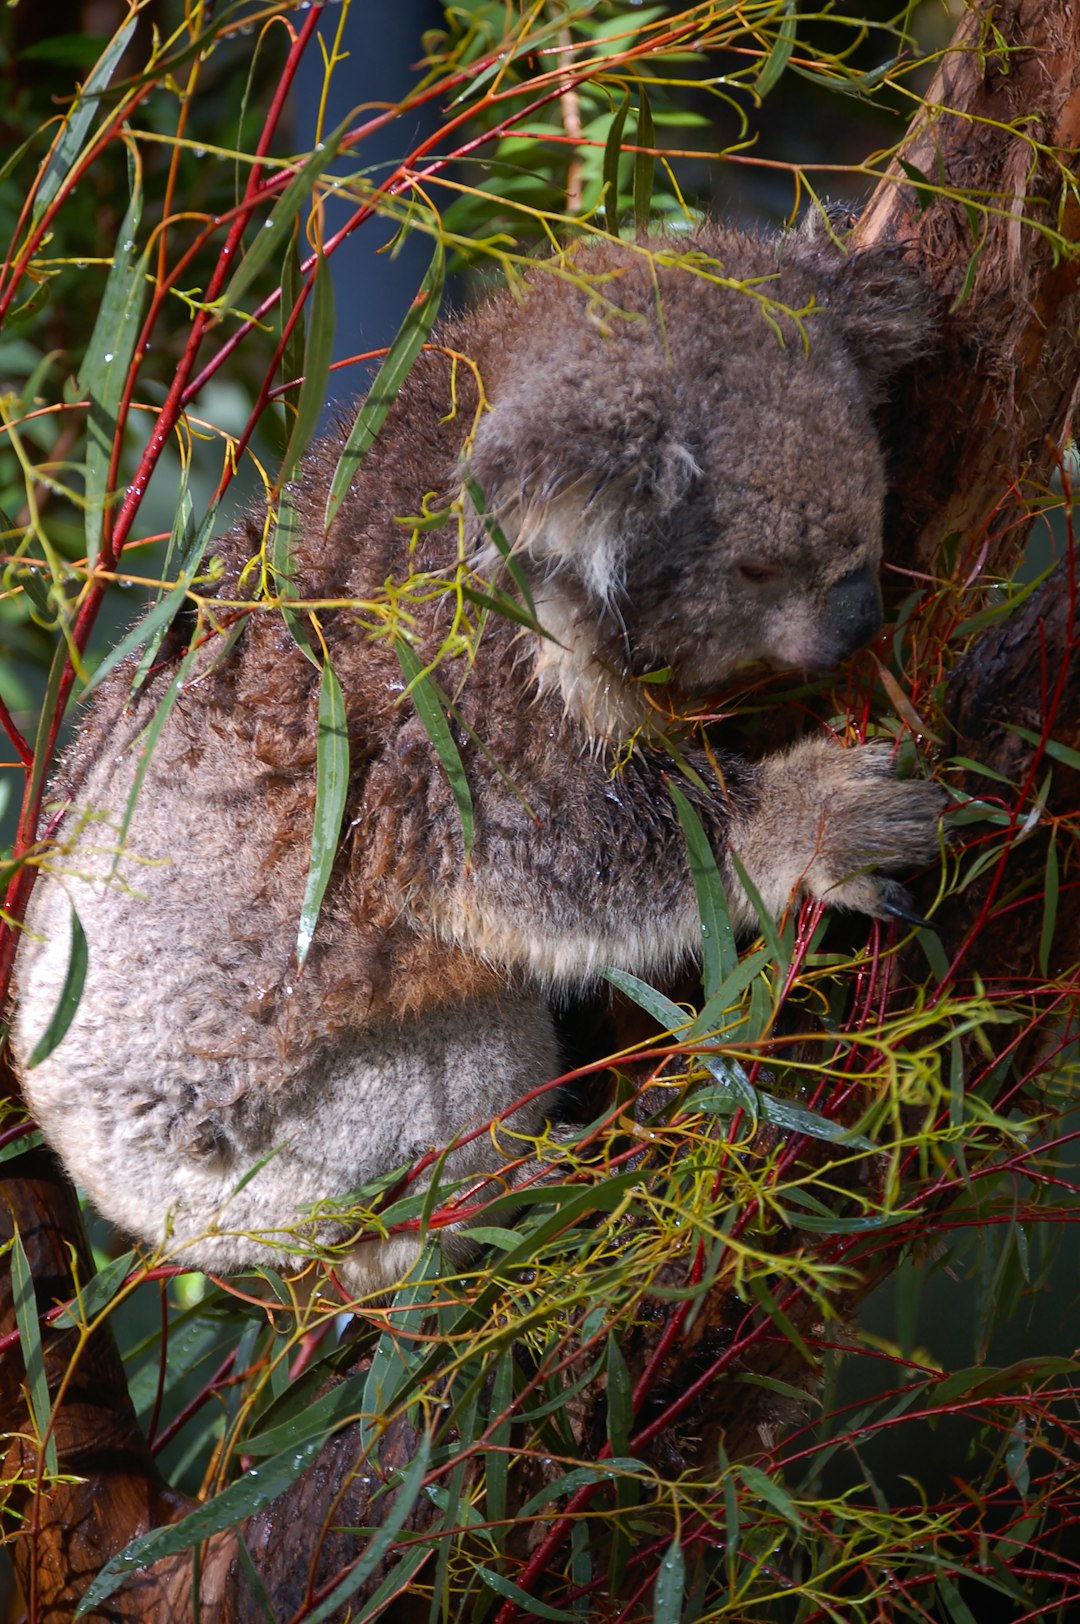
[831, 823]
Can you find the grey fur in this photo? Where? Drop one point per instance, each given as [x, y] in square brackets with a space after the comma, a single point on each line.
[682, 489]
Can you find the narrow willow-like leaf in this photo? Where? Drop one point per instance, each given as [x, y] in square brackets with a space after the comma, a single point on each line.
[528, 1604]
[644, 163]
[97, 1293]
[797, 1119]
[1051, 886]
[26, 1319]
[430, 703]
[409, 340]
[292, 357]
[154, 620]
[777, 59]
[254, 1579]
[496, 1457]
[501, 544]
[670, 1586]
[405, 1498]
[248, 1495]
[318, 351]
[79, 119]
[780, 950]
[762, 1295]
[319, 1418]
[286, 531]
[605, 1471]
[718, 952]
[620, 1409]
[767, 1489]
[186, 547]
[1059, 752]
[398, 1582]
[104, 375]
[149, 742]
[727, 994]
[395, 1361]
[281, 219]
[331, 789]
[669, 1015]
[70, 994]
[612, 157]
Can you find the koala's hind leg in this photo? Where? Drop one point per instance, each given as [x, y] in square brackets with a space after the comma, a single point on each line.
[258, 1177]
[833, 823]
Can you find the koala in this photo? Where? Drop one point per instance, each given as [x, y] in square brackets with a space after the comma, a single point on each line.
[681, 476]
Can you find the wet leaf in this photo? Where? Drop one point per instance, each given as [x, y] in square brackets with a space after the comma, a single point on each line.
[408, 342]
[70, 994]
[331, 790]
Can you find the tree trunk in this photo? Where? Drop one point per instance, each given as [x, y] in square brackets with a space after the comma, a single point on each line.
[985, 421]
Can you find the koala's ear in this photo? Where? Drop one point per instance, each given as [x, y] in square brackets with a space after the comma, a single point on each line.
[885, 311]
[556, 467]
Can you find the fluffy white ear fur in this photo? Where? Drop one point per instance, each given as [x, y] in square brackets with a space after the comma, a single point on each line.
[577, 523]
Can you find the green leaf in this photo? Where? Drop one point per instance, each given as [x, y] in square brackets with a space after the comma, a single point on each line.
[256, 1489]
[529, 1604]
[644, 163]
[279, 224]
[396, 1358]
[727, 994]
[97, 1293]
[922, 184]
[503, 548]
[1059, 752]
[331, 790]
[497, 1456]
[719, 954]
[292, 283]
[1051, 885]
[667, 1014]
[26, 1318]
[797, 1119]
[154, 620]
[605, 1471]
[612, 156]
[397, 1582]
[318, 1419]
[777, 59]
[405, 1498]
[80, 116]
[254, 1579]
[764, 1297]
[767, 1489]
[620, 1406]
[430, 702]
[104, 373]
[409, 340]
[318, 351]
[670, 1586]
[70, 994]
[780, 950]
[282, 562]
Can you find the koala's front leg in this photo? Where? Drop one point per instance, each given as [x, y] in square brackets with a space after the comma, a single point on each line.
[830, 823]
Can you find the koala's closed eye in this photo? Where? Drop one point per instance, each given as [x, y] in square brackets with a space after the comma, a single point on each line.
[761, 574]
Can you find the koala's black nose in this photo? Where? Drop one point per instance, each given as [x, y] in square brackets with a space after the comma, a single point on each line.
[854, 609]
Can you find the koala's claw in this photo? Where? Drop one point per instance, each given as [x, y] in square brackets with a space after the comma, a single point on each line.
[894, 900]
[830, 822]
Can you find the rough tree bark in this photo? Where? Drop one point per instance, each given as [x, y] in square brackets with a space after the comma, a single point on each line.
[1001, 123]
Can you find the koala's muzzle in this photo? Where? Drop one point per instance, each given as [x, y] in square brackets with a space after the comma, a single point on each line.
[854, 610]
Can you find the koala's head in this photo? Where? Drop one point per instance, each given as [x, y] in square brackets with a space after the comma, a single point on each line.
[691, 475]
